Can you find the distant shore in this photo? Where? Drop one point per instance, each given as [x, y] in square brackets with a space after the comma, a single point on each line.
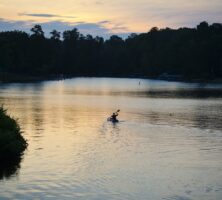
[18, 78]
[182, 54]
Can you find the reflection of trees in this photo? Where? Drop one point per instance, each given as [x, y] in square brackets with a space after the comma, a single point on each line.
[202, 115]
[194, 119]
[9, 168]
[184, 93]
[155, 117]
[208, 117]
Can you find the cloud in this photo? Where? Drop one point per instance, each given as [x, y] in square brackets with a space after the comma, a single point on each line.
[176, 19]
[119, 27]
[178, 13]
[83, 27]
[104, 22]
[93, 28]
[44, 15]
[99, 3]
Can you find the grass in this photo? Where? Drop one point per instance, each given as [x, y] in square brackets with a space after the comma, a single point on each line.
[12, 143]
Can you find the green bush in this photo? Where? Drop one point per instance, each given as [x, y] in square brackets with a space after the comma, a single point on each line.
[12, 144]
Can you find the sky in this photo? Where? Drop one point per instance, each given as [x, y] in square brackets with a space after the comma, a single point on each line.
[107, 17]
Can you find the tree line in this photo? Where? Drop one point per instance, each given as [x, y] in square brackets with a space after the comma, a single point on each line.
[189, 52]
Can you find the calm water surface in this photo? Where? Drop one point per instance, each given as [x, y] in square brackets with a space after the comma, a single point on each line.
[167, 146]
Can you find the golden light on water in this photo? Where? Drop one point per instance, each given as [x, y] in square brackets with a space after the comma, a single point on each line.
[75, 152]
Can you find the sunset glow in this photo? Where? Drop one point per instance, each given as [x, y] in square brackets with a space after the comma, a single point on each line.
[107, 17]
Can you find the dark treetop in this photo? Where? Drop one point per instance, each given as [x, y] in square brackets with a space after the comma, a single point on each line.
[191, 53]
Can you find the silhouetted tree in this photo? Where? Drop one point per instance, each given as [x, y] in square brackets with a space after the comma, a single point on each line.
[37, 31]
[55, 35]
[190, 52]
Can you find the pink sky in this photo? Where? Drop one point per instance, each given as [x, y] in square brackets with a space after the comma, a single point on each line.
[104, 17]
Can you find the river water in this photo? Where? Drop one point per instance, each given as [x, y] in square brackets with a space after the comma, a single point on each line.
[167, 146]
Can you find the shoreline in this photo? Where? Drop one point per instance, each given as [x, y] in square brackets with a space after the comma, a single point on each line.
[12, 141]
[12, 78]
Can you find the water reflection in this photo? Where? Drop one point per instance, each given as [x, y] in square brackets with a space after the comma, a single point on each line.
[184, 93]
[166, 146]
[200, 116]
[9, 168]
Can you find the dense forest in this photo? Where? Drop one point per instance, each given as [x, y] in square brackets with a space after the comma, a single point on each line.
[192, 53]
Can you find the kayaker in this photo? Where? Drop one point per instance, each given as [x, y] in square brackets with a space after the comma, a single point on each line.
[113, 118]
[114, 115]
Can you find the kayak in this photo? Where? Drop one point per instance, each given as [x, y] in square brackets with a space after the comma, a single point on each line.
[110, 119]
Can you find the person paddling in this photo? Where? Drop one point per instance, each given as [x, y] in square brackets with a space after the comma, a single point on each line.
[114, 116]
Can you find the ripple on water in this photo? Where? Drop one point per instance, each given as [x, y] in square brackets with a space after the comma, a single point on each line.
[166, 146]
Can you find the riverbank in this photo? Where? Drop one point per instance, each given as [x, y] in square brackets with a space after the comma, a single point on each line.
[18, 78]
[12, 143]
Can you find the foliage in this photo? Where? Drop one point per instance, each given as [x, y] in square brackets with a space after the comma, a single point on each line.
[12, 144]
[190, 52]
